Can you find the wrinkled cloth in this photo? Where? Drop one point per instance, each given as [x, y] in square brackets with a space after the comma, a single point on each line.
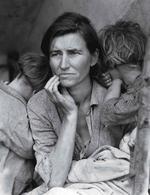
[40, 190]
[124, 109]
[94, 169]
[16, 153]
[94, 176]
[108, 176]
[45, 121]
[101, 188]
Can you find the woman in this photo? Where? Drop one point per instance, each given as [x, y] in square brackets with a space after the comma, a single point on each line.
[65, 118]
[16, 153]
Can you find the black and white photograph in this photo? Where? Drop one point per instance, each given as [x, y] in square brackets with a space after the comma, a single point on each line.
[74, 97]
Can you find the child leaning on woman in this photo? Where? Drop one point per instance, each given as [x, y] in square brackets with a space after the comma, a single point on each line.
[123, 46]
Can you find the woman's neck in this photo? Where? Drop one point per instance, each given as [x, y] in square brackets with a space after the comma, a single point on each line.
[81, 92]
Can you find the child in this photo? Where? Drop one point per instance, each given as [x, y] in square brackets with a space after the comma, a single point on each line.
[123, 47]
[16, 152]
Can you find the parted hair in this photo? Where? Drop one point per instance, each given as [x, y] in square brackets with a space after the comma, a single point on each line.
[35, 67]
[71, 22]
[122, 43]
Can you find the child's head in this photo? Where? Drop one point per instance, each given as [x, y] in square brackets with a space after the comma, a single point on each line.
[123, 43]
[35, 68]
[123, 46]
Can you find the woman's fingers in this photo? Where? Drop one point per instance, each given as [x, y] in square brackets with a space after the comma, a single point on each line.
[55, 92]
[51, 86]
[63, 98]
[66, 93]
[51, 82]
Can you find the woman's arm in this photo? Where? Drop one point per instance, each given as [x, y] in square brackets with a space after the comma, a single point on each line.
[53, 153]
[62, 157]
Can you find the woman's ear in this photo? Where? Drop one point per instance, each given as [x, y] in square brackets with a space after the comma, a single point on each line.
[95, 58]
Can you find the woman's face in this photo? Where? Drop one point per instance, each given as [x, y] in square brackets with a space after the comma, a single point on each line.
[70, 59]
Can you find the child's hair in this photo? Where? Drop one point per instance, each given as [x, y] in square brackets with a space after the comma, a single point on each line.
[35, 67]
[122, 43]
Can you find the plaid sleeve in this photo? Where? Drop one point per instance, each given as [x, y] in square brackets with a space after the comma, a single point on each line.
[123, 110]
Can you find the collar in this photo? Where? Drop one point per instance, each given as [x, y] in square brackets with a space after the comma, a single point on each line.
[98, 94]
[12, 92]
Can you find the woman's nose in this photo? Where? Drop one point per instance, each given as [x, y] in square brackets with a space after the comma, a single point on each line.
[64, 62]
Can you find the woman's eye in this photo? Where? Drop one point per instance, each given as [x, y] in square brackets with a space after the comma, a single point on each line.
[74, 52]
[54, 54]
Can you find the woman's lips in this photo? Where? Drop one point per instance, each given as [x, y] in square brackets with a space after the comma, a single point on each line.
[66, 74]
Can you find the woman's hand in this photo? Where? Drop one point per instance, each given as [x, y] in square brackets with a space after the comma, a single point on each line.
[63, 99]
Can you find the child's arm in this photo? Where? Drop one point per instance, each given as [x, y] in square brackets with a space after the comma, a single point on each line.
[114, 90]
[122, 109]
[112, 80]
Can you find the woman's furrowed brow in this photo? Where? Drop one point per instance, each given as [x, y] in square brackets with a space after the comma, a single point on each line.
[74, 49]
[67, 49]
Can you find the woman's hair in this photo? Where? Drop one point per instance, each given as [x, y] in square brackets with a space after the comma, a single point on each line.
[35, 67]
[122, 43]
[71, 22]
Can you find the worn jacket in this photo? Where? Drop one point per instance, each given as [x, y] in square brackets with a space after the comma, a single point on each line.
[45, 122]
[16, 153]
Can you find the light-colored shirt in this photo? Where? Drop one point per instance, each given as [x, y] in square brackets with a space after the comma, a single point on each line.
[45, 124]
[16, 152]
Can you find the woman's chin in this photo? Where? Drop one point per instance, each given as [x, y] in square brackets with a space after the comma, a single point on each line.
[66, 83]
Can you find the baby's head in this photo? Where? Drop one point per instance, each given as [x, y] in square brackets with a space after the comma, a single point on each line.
[123, 46]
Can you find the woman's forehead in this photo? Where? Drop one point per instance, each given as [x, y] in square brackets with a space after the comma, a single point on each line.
[68, 41]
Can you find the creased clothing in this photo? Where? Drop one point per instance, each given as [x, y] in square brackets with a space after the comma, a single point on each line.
[45, 121]
[16, 153]
[96, 170]
[94, 176]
